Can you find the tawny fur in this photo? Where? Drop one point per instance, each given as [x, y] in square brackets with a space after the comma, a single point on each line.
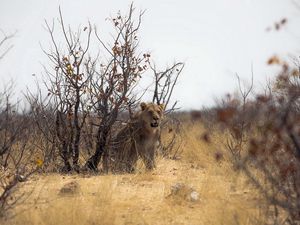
[139, 138]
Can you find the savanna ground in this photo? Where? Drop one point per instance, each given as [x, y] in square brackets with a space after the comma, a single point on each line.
[240, 168]
[225, 196]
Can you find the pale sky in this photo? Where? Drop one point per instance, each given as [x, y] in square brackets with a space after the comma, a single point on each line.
[215, 38]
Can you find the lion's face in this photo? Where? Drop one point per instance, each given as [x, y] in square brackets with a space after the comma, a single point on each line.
[152, 114]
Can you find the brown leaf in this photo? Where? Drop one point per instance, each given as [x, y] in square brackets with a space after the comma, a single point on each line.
[273, 60]
[283, 21]
[225, 114]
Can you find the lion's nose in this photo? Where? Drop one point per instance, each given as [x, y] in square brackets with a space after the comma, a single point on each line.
[155, 117]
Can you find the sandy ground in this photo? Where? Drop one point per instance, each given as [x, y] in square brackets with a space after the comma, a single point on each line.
[143, 198]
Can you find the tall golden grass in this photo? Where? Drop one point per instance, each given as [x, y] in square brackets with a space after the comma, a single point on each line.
[225, 197]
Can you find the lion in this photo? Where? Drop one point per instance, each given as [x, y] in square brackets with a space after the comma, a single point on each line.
[139, 138]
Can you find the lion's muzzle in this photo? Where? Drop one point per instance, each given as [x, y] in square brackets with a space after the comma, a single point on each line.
[154, 124]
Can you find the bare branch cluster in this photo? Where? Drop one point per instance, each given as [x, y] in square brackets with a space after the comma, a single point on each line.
[4, 45]
[264, 138]
[89, 97]
[16, 148]
[165, 82]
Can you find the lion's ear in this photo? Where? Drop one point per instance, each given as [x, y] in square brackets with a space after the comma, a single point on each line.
[162, 106]
[143, 106]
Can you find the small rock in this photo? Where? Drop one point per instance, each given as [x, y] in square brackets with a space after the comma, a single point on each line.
[20, 178]
[194, 196]
[70, 188]
[176, 188]
[182, 191]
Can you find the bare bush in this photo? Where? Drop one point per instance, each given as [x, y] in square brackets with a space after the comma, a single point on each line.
[16, 148]
[89, 97]
[67, 87]
[270, 153]
[14, 140]
[236, 113]
[164, 84]
[112, 86]
[44, 134]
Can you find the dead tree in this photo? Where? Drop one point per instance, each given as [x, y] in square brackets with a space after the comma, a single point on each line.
[67, 85]
[112, 90]
[99, 88]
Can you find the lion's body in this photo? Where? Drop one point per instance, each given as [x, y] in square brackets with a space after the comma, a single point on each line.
[139, 138]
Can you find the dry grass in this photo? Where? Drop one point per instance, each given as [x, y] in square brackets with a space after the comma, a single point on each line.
[144, 198]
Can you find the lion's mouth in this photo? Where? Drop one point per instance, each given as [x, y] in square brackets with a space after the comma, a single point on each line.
[154, 124]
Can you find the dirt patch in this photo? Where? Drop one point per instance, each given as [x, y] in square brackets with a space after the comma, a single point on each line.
[174, 193]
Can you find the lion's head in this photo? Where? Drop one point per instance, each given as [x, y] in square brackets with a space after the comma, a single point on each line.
[151, 114]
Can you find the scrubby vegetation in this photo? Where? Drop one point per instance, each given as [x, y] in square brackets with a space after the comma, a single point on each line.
[89, 98]
[262, 138]
[235, 163]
